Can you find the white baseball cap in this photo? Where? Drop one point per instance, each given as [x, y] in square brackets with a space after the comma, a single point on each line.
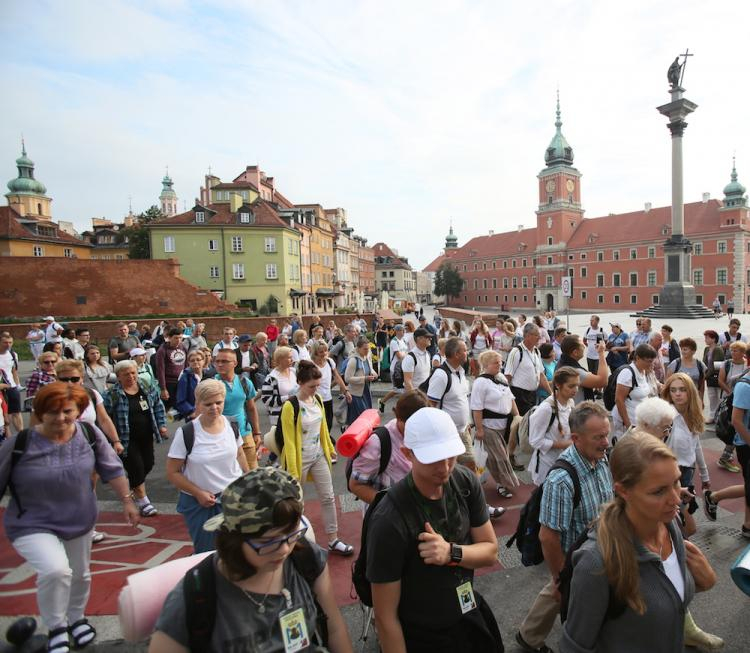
[49, 318]
[137, 351]
[431, 434]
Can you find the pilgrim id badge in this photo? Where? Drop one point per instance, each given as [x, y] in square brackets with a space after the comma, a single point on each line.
[466, 600]
[294, 630]
[143, 404]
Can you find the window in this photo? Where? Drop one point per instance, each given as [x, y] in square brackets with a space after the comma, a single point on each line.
[616, 279]
[484, 266]
[549, 260]
[697, 277]
[523, 262]
[633, 299]
[524, 282]
[484, 284]
[550, 281]
[39, 251]
[497, 299]
[633, 278]
[615, 254]
[571, 272]
[213, 245]
[699, 299]
[238, 270]
[237, 245]
[68, 252]
[200, 216]
[494, 283]
[494, 265]
[549, 240]
[698, 249]
[651, 278]
[271, 272]
[652, 252]
[213, 271]
[633, 254]
[583, 256]
[655, 299]
[584, 272]
[245, 217]
[600, 280]
[513, 263]
[533, 282]
[476, 284]
[169, 243]
[505, 265]
[721, 276]
[570, 257]
[599, 256]
[584, 294]
[476, 267]
[505, 282]
[514, 282]
[617, 299]
[600, 299]
[269, 244]
[390, 273]
[721, 247]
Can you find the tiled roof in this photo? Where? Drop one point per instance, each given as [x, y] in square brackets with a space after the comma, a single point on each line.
[381, 249]
[265, 216]
[12, 229]
[642, 226]
[509, 243]
[445, 256]
[230, 185]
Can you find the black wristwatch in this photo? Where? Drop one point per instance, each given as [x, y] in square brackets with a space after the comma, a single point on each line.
[457, 554]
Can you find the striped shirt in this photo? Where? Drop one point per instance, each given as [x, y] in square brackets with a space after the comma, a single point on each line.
[556, 511]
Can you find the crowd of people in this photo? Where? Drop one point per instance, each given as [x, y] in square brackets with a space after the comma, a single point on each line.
[612, 419]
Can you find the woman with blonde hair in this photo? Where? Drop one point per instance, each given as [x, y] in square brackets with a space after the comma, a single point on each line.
[494, 407]
[299, 349]
[205, 456]
[280, 384]
[634, 577]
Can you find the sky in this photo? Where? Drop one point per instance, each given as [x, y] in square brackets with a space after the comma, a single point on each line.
[408, 114]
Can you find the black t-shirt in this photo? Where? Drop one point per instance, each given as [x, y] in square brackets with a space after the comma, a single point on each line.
[139, 420]
[428, 592]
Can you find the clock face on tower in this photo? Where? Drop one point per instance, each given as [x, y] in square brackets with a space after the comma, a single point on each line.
[550, 186]
[570, 185]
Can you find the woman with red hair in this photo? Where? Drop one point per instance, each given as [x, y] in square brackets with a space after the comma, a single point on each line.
[52, 508]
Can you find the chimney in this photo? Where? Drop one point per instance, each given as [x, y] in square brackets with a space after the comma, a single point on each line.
[706, 197]
[492, 233]
[235, 202]
[647, 207]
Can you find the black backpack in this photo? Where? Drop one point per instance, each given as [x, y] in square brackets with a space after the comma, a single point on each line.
[19, 448]
[385, 453]
[398, 372]
[526, 536]
[615, 607]
[424, 386]
[199, 589]
[701, 369]
[611, 389]
[724, 429]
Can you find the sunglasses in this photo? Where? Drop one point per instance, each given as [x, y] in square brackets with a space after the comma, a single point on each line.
[264, 548]
[69, 379]
[48, 362]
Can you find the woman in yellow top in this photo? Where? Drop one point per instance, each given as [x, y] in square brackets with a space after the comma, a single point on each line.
[308, 448]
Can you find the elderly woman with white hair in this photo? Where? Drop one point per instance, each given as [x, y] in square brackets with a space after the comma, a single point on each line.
[262, 358]
[205, 456]
[139, 417]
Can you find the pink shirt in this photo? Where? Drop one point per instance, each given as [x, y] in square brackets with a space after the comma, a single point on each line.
[365, 466]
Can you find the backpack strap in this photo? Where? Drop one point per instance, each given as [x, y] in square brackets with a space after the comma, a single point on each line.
[19, 448]
[199, 590]
[188, 437]
[279, 432]
[568, 467]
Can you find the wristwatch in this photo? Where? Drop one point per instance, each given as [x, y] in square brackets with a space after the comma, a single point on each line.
[457, 554]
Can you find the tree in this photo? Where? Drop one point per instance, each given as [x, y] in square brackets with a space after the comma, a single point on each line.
[448, 281]
[138, 235]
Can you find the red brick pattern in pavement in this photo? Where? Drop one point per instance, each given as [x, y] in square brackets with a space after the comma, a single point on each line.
[162, 538]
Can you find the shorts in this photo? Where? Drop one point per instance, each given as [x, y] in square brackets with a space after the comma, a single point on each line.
[13, 399]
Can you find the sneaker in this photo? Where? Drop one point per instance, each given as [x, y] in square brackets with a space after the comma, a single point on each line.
[504, 492]
[97, 536]
[496, 513]
[709, 505]
[726, 463]
[702, 640]
[529, 648]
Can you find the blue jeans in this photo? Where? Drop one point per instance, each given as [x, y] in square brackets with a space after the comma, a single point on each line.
[195, 516]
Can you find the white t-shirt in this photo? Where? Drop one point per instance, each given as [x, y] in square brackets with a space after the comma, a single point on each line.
[409, 340]
[497, 397]
[245, 358]
[301, 353]
[397, 345]
[672, 571]
[524, 370]
[212, 464]
[456, 400]
[89, 415]
[7, 363]
[480, 342]
[496, 337]
[644, 390]
[542, 435]
[324, 390]
[687, 447]
[590, 340]
[223, 345]
[420, 370]
[723, 340]
[50, 333]
[312, 417]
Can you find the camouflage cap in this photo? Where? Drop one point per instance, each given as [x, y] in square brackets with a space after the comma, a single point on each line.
[247, 504]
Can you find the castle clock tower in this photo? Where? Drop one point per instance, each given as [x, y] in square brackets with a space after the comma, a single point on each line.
[558, 216]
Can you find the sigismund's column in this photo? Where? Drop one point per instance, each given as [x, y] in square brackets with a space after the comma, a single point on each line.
[678, 289]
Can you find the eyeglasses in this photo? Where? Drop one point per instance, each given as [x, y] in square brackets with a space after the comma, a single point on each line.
[48, 362]
[666, 430]
[69, 379]
[264, 548]
[220, 361]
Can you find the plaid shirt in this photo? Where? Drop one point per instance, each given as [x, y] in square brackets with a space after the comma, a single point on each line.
[37, 379]
[116, 405]
[557, 512]
[640, 338]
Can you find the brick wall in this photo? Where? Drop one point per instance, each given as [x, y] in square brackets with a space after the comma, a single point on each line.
[35, 287]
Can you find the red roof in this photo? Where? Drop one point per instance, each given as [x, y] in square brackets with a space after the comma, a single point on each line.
[265, 216]
[11, 228]
[239, 185]
[642, 226]
[381, 249]
[509, 243]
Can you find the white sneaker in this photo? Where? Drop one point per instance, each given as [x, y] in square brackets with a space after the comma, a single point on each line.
[97, 536]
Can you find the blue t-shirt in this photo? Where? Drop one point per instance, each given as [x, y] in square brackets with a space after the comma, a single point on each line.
[616, 359]
[742, 400]
[234, 403]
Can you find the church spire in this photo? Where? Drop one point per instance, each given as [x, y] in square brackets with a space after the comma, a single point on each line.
[168, 197]
[451, 240]
[559, 151]
[734, 191]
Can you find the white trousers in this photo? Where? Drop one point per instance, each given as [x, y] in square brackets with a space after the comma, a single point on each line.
[63, 578]
[321, 477]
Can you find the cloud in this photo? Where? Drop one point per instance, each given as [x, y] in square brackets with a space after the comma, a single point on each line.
[406, 114]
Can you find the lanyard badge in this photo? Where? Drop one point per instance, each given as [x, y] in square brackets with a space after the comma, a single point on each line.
[466, 599]
[293, 627]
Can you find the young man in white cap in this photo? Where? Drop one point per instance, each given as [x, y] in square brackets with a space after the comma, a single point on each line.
[52, 330]
[425, 538]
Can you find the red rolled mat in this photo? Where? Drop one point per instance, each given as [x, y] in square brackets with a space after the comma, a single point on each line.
[354, 437]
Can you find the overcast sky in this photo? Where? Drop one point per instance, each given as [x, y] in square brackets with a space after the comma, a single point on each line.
[407, 114]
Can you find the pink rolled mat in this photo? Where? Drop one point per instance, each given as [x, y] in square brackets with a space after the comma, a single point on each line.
[355, 436]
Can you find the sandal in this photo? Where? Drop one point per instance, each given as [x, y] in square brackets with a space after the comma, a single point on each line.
[504, 492]
[342, 548]
[82, 632]
[148, 510]
[58, 641]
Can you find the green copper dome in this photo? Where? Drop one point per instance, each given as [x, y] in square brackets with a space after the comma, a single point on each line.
[559, 151]
[25, 182]
[166, 188]
[451, 240]
[734, 188]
